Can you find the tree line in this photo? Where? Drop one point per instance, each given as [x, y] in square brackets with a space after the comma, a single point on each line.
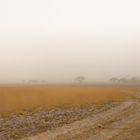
[124, 80]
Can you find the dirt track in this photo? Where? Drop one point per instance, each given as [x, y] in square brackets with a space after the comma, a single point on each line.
[117, 123]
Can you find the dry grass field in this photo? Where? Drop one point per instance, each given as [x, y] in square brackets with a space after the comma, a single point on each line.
[19, 97]
[56, 112]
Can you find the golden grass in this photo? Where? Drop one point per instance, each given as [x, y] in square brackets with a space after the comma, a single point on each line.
[17, 97]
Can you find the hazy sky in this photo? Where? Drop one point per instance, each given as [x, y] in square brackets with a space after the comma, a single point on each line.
[60, 39]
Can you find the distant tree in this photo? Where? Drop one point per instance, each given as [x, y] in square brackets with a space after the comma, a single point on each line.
[123, 80]
[113, 80]
[43, 81]
[134, 80]
[80, 79]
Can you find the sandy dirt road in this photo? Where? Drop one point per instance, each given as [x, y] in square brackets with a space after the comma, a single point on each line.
[117, 123]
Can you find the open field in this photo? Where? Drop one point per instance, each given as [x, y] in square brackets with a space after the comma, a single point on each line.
[120, 121]
[18, 97]
[40, 112]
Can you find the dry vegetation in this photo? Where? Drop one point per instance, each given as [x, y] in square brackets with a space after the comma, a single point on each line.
[17, 97]
[43, 108]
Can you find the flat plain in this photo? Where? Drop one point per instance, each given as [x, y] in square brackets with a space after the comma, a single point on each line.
[58, 112]
[21, 97]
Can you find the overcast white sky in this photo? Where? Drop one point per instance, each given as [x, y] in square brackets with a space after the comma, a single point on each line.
[60, 39]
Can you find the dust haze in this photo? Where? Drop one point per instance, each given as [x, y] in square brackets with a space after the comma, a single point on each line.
[60, 40]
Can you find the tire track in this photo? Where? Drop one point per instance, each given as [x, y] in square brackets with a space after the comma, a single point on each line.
[92, 127]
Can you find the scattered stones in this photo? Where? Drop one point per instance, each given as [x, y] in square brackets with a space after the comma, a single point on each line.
[29, 123]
